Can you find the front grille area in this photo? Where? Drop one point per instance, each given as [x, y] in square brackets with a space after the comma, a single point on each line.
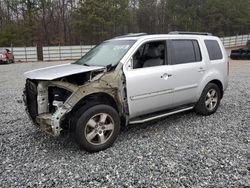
[31, 98]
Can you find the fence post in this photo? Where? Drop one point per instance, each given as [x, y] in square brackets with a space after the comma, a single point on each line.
[81, 48]
[230, 41]
[60, 53]
[48, 52]
[25, 52]
[236, 40]
[71, 52]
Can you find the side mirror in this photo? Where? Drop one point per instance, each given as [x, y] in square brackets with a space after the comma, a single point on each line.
[129, 65]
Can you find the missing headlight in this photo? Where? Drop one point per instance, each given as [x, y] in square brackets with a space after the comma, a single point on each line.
[57, 94]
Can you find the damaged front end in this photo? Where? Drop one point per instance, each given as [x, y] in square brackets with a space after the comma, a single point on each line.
[45, 104]
[49, 103]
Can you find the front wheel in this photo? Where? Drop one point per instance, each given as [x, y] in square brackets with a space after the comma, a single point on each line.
[209, 100]
[97, 128]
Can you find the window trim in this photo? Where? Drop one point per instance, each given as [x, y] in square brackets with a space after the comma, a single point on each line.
[172, 57]
[197, 52]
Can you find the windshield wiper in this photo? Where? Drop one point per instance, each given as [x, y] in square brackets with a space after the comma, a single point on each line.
[78, 63]
[85, 65]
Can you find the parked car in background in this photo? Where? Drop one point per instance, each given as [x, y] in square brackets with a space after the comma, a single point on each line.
[241, 53]
[6, 56]
[130, 79]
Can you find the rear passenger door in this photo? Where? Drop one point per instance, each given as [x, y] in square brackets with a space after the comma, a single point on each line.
[188, 69]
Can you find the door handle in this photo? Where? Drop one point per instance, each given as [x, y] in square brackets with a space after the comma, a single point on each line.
[166, 76]
[201, 69]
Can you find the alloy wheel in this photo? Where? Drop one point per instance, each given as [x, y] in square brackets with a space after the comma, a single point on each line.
[99, 129]
[211, 99]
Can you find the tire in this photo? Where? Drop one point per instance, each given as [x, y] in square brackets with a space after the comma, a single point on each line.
[235, 54]
[209, 100]
[97, 128]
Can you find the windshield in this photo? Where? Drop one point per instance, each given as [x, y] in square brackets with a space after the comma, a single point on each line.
[107, 53]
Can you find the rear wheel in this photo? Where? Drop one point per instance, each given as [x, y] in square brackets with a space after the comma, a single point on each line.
[209, 100]
[97, 128]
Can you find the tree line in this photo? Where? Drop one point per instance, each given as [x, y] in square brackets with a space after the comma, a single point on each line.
[69, 22]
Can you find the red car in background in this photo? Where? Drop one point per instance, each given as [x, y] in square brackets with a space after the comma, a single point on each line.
[6, 56]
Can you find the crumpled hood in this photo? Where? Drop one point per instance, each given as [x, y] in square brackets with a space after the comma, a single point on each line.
[59, 71]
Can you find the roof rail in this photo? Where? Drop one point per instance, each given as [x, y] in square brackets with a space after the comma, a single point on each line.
[189, 33]
[132, 35]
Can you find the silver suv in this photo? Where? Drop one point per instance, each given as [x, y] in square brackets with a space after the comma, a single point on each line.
[130, 79]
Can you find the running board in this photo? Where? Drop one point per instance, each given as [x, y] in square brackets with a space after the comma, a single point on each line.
[138, 121]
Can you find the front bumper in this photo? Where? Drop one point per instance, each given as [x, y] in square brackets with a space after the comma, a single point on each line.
[51, 123]
[47, 122]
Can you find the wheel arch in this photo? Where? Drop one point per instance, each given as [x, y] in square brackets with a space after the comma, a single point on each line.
[101, 97]
[214, 81]
[215, 78]
[95, 98]
[219, 84]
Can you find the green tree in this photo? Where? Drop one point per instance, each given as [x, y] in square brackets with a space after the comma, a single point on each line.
[99, 20]
[53, 22]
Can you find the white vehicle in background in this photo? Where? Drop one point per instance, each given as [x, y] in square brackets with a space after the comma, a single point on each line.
[128, 80]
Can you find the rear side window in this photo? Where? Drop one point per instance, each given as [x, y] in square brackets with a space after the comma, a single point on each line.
[185, 51]
[214, 50]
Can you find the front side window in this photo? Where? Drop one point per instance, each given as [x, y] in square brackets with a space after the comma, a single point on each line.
[213, 49]
[150, 54]
[185, 51]
[107, 53]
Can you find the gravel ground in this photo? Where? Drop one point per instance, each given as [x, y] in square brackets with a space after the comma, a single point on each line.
[184, 150]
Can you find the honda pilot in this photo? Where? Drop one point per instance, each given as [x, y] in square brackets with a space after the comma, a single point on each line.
[129, 79]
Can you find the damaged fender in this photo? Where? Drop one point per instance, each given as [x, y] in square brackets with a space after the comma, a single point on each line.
[111, 83]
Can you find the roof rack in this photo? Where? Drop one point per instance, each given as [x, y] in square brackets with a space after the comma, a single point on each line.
[189, 33]
[132, 35]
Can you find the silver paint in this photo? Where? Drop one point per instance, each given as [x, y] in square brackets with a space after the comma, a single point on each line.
[59, 71]
[136, 91]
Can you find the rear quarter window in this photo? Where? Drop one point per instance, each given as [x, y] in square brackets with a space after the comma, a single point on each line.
[214, 50]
